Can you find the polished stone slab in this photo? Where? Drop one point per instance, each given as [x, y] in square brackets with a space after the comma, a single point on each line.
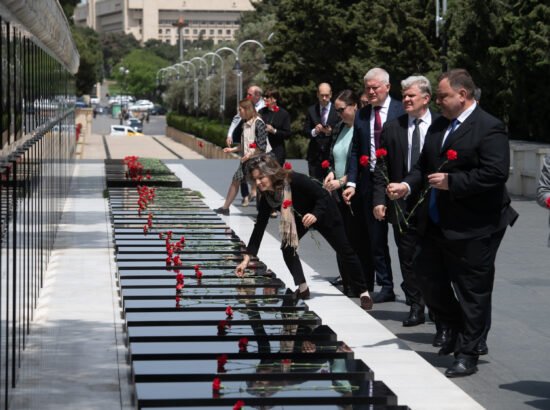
[189, 247]
[190, 242]
[191, 281]
[247, 369]
[236, 303]
[293, 407]
[265, 393]
[252, 274]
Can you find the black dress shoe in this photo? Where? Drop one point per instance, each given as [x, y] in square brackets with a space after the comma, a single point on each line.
[462, 367]
[416, 317]
[302, 295]
[337, 281]
[449, 346]
[382, 297]
[482, 348]
[222, 210]
[366, 302]
[441, 336]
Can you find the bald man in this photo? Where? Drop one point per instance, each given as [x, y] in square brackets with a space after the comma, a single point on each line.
[320, 119]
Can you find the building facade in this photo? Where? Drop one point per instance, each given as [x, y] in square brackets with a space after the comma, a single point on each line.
[153, 19]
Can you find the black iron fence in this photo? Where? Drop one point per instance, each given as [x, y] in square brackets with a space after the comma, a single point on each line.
[37, 146]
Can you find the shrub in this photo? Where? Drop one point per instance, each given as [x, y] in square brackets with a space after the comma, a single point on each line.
[210, 130]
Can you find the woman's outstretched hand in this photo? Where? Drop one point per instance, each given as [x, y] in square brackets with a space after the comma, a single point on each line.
[239, 270]
[308, 220]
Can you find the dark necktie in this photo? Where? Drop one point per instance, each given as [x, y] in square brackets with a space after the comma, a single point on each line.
[324, 116]
[433, 211]
[377, 127]
[415, 145]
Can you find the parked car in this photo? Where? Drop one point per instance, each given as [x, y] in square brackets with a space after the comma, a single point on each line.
[141, 105]
[124, 130]
[135, 124]
[100, 109]
[94, 100]
[158, 110]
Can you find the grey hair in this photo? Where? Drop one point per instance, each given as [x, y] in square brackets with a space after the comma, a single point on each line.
[420, 81]
[377, 74]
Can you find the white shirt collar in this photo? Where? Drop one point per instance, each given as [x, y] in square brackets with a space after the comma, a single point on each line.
[466, 113]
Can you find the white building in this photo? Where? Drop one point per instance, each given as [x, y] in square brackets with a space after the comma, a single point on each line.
[152, 19]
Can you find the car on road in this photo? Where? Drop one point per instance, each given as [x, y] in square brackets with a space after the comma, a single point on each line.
[135, 124]
[141, 105]
[158, 110]
[94, 100]
[124, 130]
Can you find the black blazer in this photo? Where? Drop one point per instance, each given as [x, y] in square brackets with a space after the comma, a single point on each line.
[319, 146]
[279, 120]
[477, 202]
[395, 140]
[361, 142]
[307, 197]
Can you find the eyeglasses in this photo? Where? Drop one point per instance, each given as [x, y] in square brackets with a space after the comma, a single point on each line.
[340, 110]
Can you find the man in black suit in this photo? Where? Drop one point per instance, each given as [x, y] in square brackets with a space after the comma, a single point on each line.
[320, 119]
[465, 161]
[367, 129]
[403, 138]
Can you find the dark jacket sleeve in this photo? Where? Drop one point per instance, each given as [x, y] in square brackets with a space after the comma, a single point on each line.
[308, 125]
[281, 123]
[308, 196]
[259, 228]
[354, 157]
[260, 135]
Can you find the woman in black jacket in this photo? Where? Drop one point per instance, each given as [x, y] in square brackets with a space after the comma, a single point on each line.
[277, 123]
[303, 204]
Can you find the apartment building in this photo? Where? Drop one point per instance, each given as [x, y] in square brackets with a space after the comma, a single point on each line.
[153, 19]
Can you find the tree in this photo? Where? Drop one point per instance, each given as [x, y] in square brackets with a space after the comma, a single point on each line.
[143, 66]
[68, 8]
[90, 70]
[163, 50]
[115, 46]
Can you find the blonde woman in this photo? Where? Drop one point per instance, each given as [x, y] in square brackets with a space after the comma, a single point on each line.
[253, 141]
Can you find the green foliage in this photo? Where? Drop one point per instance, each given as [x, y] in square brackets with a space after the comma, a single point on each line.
[143, 66]
[115, 46]
[68, 8]
[90, 70]
[209, 130]
[163, 50]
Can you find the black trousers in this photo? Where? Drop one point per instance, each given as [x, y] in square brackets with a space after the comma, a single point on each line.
[335, 235]
[407, 240]
[456, 278]
[316, 170]
[354, 225]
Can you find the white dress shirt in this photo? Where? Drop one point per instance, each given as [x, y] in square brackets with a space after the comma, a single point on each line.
[313, 134]
[383, 116]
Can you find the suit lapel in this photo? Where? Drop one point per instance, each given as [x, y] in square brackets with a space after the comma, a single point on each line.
[462, 130]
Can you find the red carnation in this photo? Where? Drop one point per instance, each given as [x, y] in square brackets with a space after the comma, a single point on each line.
[275, 108]
[177, 299]
[198, 274]
[286, 361]
[267, 104]
[148, 176]
[179, 277]
[229, 311]
[451, 155]
[239, 405]
[381, 152]
[168, 260]
[252, 145]
[243, 343]
[287, 165]
[169, 233]
[325, 164]
[216, 385]
[182, 239]
[548, 202]
[179, 286]
[196, 267]
[364, 160]
[145, 228]
[221, 327]
[201, 144]
[222, 360]
[287, 203]
[249, 97]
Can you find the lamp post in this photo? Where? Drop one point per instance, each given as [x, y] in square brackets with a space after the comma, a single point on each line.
[124, 73]
[179, 25]
[237, 67]
[237, 72]
[440, 21]
[204, 74]
[222, 77]
[195, 85]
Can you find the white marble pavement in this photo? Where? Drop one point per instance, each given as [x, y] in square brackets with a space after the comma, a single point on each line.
[415, 382]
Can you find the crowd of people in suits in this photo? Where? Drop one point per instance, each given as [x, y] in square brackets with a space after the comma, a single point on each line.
[438, 179]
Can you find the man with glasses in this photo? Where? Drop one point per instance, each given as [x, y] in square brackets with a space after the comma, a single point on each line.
[254, 93]
[320, 119]
[367, 129]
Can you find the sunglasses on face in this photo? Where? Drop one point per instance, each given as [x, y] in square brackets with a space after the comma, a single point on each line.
[340, 110]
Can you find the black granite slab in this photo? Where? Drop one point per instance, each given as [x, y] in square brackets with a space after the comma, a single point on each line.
[193, 281]
[149, 305]
[188, 271]
[247, 369]
[265, 393]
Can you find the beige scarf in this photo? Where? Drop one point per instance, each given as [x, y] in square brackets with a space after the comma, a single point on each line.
[287, 225]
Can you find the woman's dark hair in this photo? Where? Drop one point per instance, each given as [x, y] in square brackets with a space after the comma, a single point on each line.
[272, 92]
[349, 97]
[268, 166]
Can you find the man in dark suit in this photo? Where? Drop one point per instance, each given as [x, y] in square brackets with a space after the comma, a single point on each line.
[320, 119]
[367, 129]
[465, 161]
[403, 138]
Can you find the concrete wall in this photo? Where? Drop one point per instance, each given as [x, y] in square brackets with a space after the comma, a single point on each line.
[208, 149]
[525, 164]
[84, 117]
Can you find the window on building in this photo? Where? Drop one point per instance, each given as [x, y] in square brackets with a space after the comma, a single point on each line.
[167, 31]
[139, 22]
[195, 31]
[203, 31]
[220, 32]
[211, 32]
[140, 31]
[167, 41]
[186, 31]
[228, 32]
[203, 22]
